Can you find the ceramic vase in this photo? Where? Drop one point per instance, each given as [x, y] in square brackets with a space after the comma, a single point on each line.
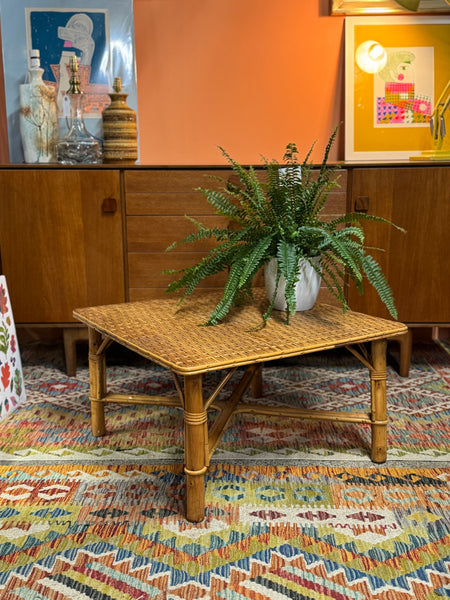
[306, 289]
[38, 119]
[119, 129]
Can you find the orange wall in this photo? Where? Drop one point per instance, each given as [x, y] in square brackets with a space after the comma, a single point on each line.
[248, 75]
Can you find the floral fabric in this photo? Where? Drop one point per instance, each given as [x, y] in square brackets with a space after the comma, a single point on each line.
[12, 389]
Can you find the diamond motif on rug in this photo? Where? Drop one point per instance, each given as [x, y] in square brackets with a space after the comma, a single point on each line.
[269, 532]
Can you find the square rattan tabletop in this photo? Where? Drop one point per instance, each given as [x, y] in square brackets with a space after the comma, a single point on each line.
[172, 335]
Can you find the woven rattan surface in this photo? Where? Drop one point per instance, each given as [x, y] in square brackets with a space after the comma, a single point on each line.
[171, 336]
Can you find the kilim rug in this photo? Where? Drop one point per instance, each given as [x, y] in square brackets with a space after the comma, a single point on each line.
[304, 533]
[53, 425]
[294, 509]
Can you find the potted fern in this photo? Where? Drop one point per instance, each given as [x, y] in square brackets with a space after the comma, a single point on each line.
[277, 225]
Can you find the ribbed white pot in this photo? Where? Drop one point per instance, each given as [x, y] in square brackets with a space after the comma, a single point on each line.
[306, 289]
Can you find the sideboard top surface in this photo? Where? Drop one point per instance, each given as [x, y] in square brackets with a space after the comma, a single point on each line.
[118, 166]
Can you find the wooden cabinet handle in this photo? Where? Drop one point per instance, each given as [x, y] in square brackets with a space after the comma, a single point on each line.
[109, 205]
[362, 204]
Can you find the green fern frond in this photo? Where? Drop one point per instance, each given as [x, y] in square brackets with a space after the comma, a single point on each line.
[324, 168]
[255, 258]
[348, 232]
[255, 196]
[377, 279]
[221, 203]
[287, 264]
[343, 250]
[218, 233]
[333, 279]
[267, 314]
[214, 262]
[357, 217]
[230, 290]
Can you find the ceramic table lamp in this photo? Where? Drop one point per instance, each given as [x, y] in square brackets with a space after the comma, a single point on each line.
[119, 129]
[38, 120]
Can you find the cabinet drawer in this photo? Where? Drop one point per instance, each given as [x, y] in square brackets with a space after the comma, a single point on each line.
[146, 269]
[172, 180]
[167, 204]
[174, 192]
[156, 233]
[170, 192]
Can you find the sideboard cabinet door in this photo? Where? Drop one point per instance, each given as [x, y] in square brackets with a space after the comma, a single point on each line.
[60, 241]
[416, 263]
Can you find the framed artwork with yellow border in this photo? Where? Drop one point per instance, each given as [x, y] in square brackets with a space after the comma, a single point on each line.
[388, 7]
[395, 70]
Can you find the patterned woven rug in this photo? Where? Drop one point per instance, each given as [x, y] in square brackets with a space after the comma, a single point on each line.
[304, 533]
[295, 509]
[53, 425]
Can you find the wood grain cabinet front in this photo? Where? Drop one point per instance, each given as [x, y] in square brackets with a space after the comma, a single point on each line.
[416, 263]
[60, 241]
[157, 202]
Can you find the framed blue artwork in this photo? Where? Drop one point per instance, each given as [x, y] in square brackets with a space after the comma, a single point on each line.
[101, 36]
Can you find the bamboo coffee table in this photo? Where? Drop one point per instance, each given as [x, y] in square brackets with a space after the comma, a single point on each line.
[170, 336]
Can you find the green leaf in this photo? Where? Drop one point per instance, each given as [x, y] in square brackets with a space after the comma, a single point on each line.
[4, 338]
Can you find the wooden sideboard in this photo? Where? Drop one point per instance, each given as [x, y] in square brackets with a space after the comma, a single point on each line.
[78, 236]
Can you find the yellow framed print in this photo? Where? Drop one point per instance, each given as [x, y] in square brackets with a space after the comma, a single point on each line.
[395, 71]
[387, 7]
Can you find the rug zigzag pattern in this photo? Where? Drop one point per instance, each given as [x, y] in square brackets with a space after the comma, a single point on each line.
[269, 532]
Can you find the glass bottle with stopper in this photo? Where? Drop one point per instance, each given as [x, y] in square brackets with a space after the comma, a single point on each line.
[119, 128]
[78, 146]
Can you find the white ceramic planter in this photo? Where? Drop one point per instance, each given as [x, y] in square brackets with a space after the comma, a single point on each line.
[306, 289]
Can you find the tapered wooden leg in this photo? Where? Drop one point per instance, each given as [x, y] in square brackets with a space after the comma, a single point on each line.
[379, 404]
[195, 448]
[257, 382]
[97, 379]
[405, 342]
[71, 335]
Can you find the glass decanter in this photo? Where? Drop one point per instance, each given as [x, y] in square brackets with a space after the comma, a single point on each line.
[78, 146]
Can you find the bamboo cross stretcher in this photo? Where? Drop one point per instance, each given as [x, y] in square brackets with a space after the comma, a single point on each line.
[169, 335]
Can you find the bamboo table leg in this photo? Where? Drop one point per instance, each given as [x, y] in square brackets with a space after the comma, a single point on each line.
[195, 447]
[97, 378]
[378, 401]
